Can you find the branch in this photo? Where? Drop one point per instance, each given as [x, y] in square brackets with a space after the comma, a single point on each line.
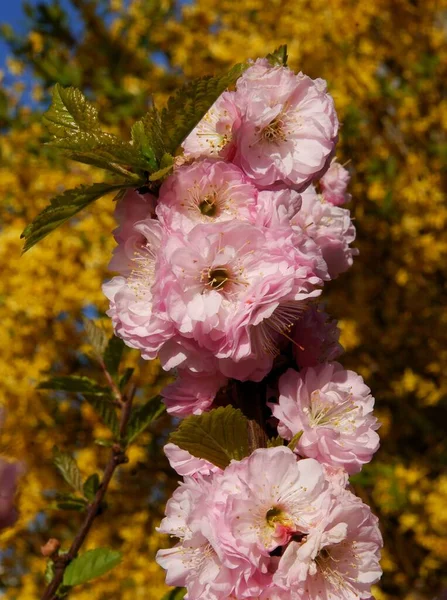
[117, 458]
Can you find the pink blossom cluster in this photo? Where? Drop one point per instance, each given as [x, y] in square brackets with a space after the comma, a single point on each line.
[220, 278]
[216, 272]
[270, 527]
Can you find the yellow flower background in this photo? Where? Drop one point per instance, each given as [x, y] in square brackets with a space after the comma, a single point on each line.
[385, 63]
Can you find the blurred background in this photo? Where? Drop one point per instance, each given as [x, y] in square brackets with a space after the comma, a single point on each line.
[385, 63]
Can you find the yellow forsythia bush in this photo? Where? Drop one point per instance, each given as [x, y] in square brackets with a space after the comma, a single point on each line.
[385, 63]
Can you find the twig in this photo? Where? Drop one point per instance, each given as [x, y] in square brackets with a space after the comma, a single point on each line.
[118, 457]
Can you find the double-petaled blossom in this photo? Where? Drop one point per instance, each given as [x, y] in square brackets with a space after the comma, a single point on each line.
[334, 183]
[339, 558]
[288, 127]
[333, 409]
[214, 135]
[330, 227]
[269, 527]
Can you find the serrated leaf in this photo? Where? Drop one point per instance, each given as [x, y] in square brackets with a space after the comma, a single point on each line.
[294, 441]
[63, 207]
[90, 565]
[177, 593]
[166, 166]
[106, 411]
[144, 140]
[73, 124]
[278, 58]
[96, 336]
[113, 354]
[276, 441]
[70, 112]
[190, 104]
[75, 383]
[217, 436]
[91, 486]
[68, 468]
[125, 378]
[143, 415]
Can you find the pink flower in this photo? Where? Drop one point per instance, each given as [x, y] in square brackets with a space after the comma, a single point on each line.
[316, 338]
[288, 126]
[130, 210]
[9, 474]
[333, 408]
[201, 561]
[207, 191]
[330, 227]
[232, 286]
[131, 297]
[334, 183]
[186, 464]
[192, 393]
[214, 135]
[276, 208]
[266, 511]
[339, 558]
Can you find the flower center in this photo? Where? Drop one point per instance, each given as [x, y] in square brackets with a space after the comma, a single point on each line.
[218, 277]
[274, 515]
[208, 205]
[274, 131]
[326, 413]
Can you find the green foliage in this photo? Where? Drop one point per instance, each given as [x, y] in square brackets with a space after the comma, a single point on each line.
[91, 486]
[217, 436]
[279, 57]
[143, 415]
[90, 565]
[75, 383]
[96, 336]
[73, 123]
[106, 410]
[70, 502]
[113, 354]
[68, 468]
[63, 207]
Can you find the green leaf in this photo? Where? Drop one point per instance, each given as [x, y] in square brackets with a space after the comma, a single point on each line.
[91, 486]
[90, 565]
[294, 441]
[278, 58]
[75, 383]
[217, 436]
[144, 139]
[125, 378]
[190, 104]
[112, 355]
[63, 207]
[276, 441]
[68, 468]
[78, 504]
[70, 112]
[177, 593]
[73, 124]
[143, 415]
[106, 411]
[166, 166]
[96, 336]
